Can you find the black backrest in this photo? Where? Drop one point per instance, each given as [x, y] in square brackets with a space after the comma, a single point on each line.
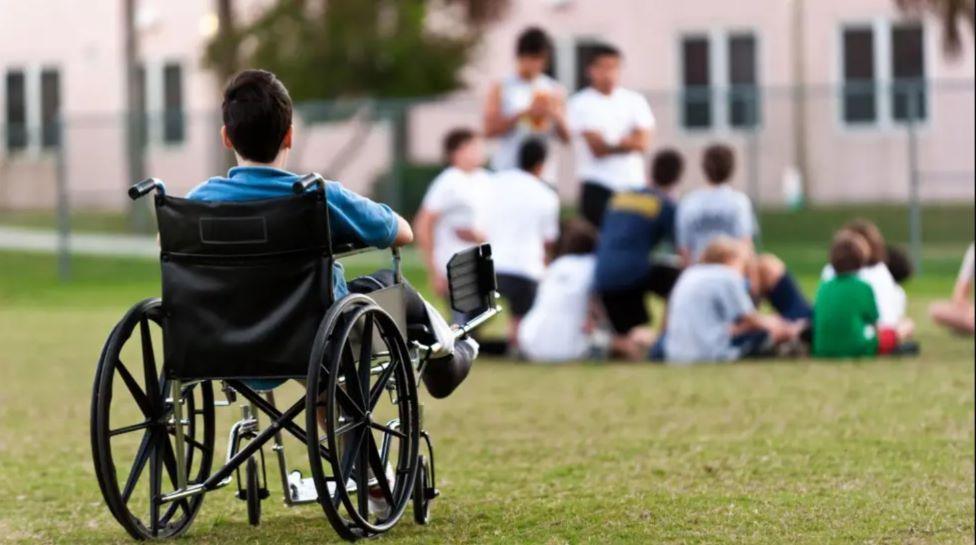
[245, 284]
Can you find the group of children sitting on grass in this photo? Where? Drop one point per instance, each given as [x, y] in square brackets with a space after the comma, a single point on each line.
[583, 294]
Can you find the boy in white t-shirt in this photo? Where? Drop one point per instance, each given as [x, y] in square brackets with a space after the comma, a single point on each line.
[560, 325]
[527, 104]
[888, 295]
[613, 126]
[522, 221]
[450, 216]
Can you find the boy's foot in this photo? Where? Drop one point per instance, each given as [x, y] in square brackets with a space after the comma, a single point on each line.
[443, 375]
[377, 503]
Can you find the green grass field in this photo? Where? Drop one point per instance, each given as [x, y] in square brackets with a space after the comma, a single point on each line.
[776, 452]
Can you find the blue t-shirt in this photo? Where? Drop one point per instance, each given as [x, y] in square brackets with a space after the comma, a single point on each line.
[352, 217]
[634, 224]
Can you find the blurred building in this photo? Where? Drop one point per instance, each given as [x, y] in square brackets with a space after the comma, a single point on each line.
[826, 88]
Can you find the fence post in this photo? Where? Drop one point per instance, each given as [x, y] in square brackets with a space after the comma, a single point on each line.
[753, 154]
[914, 206]
[64, 206]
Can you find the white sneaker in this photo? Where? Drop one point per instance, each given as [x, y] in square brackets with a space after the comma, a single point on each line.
[378, 505]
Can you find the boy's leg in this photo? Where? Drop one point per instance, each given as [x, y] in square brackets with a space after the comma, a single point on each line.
[443, 374]
[593, 202]
[520, 293]
[779, 287]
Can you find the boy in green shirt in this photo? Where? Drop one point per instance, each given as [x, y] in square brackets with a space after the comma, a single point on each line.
[845, 312]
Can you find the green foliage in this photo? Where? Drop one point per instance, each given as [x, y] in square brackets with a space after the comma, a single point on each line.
[409, 192]
[348, 48]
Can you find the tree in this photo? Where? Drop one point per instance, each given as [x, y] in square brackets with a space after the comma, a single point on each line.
[347, 48]
[954, 14]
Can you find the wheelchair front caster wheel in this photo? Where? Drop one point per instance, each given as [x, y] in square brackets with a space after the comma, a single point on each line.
[423, 493]
[253, 493]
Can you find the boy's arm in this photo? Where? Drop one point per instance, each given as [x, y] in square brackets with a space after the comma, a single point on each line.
[496, 123]
[404, 234]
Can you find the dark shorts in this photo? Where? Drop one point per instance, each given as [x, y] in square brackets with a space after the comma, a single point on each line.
[594, 199]
[519, 291]
[755, 344]
[627, 309]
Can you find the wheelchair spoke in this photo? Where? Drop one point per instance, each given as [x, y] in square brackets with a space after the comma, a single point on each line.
[379, 470]
[193, 442]
[155, 476]
[346, 428]
[349, 457]
[134, 389]
[388, 430]
[142, 456]
[149, 363]
[352, 379]
[381, 381]
[169, 460]
[129, 429]
[362, 475]
[365, 358]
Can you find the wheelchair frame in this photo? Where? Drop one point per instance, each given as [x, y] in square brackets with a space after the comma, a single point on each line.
[351, 399]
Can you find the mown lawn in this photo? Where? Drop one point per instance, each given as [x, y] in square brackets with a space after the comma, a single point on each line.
[777, 452]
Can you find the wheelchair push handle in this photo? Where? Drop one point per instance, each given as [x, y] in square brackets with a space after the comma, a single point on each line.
[141, 189]
[308, 181]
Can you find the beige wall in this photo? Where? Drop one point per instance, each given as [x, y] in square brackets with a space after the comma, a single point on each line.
[84, 39]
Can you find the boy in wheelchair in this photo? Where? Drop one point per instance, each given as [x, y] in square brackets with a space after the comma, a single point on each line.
[257, 117]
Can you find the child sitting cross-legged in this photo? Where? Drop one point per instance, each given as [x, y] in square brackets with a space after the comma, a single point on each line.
[846, 318]
[711, 317]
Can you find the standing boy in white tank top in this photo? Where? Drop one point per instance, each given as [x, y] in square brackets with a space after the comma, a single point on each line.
[526, 104]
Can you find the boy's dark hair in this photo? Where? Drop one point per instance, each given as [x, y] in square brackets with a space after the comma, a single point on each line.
[599, 51]
[533, 42]
[532, 154]
[667, 168]
[848, 252]
[899, 264]
[576, 237]
[455, 139]
[876, 242]
[257, 114]
[718, 162]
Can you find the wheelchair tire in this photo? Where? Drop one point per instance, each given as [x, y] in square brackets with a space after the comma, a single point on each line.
[342, 397]
[145, 389]
[421, 503]
[253, 492]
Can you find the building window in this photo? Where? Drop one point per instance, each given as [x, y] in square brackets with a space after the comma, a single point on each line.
[696, 81]
[16, 115]
[884, 73]
[743, 81]
[173, 118]
[50, 108]
[584, 52]
[860, 76]
[908, 92]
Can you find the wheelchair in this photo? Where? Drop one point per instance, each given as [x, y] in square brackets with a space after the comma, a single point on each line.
[247, 297]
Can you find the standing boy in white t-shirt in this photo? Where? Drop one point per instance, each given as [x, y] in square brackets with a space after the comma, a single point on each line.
[613, 126]
[449, 219]
[522, 220]
[526, 104]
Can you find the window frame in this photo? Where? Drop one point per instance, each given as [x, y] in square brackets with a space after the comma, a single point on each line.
[882, 32]
[719, 81]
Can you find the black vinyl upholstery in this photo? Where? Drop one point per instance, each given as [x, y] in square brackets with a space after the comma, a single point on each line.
[245, 285]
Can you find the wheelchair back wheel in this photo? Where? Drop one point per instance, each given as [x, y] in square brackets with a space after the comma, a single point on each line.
[133, 427]
[362, 405]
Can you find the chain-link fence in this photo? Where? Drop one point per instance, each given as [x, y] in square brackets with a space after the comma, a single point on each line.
[812, 146]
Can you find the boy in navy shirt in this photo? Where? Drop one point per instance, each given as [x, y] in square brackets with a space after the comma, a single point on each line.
[257, 116]
[635, 224]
